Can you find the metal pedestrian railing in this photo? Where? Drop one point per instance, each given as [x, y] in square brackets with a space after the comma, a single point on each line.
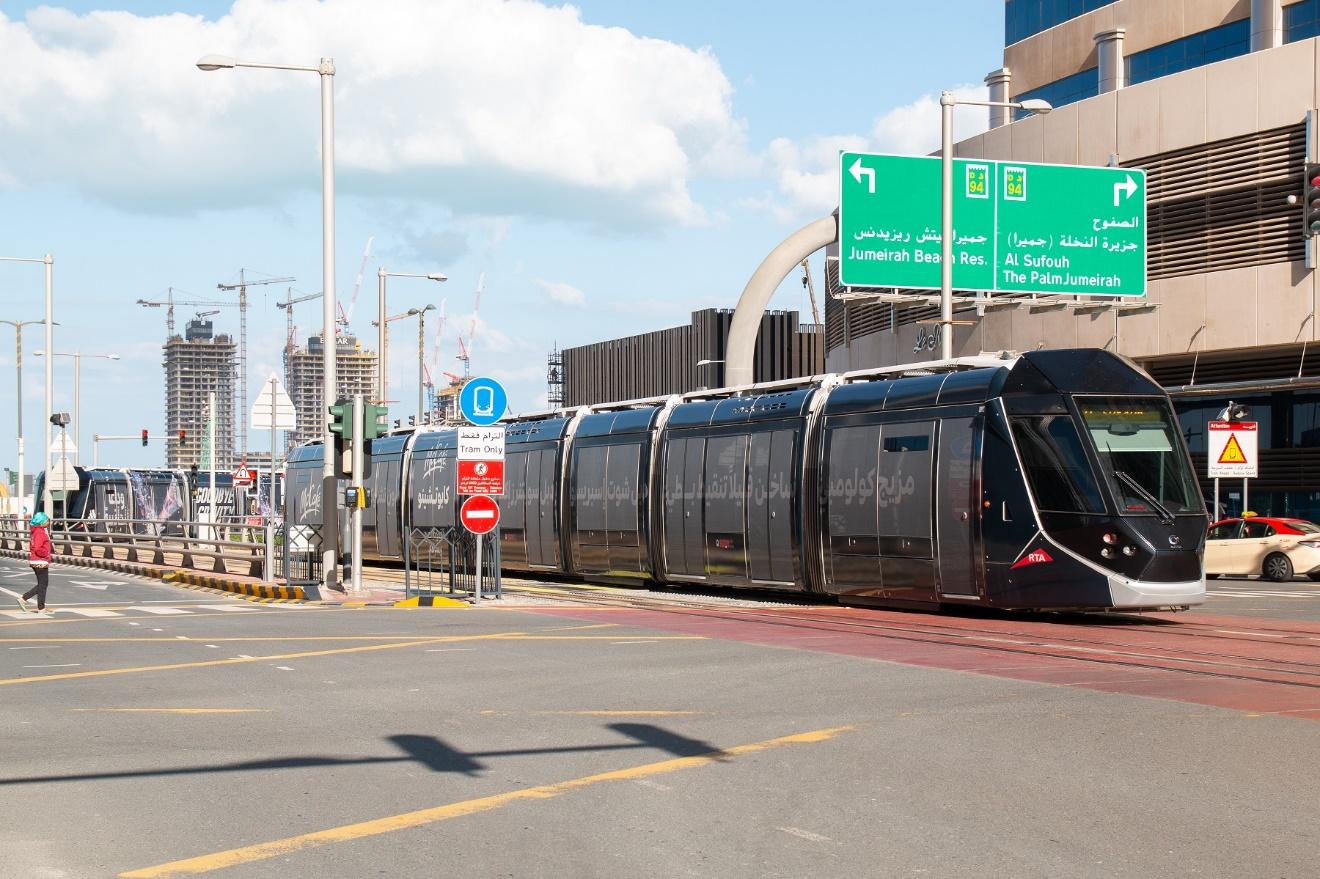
[299, 560]
[227, 547]
[444, 559]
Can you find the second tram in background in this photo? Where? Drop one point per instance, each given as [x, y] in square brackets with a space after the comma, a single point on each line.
[1051, 480]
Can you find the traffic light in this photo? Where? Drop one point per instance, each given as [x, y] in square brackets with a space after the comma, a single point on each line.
[341, 424]
[1311, 207]
[374, 420]
[183, 437]
[412, 420]
[144, 437]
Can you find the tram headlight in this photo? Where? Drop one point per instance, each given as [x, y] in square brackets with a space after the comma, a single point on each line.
[1110, 538]
[1129, 550]
[1107, 552]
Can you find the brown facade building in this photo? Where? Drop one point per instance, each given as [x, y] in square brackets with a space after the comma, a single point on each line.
[685, 358]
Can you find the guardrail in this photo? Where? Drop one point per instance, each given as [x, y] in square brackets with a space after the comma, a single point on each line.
[220, 547]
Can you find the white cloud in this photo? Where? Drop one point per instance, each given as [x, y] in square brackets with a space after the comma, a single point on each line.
[564, 294]
[806, 174]
[490, 108]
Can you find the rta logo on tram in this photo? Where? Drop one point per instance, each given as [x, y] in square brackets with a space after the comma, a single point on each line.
[1035, 557]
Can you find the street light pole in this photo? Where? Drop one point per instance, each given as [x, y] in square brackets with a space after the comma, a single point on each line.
[947, 103]
[18, 369]
[77, 394]
[329, 342]
[382, 327]
[421, 355]
[46, 501]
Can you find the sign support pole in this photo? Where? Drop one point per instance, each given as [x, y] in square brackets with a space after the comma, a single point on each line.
[481, 542]
[210, 457]
[355, 515]
[1216, 513]
[946, 226]
[269, 567]
[1245, 505]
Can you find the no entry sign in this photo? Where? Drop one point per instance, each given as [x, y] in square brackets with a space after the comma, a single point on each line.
[479, 514]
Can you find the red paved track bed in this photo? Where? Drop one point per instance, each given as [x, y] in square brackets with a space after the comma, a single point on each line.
[1248, 664]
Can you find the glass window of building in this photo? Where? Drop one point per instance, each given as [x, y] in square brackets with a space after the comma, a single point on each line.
[1068, 90]
[1206, 47]
[1023, 18]
[1301, 21]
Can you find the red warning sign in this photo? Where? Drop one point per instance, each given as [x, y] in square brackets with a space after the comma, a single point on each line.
[481, 477]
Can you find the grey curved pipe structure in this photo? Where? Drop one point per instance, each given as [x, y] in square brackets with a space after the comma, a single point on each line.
[740, 355]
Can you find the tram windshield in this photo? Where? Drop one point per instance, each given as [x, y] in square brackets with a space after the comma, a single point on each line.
[1140, 455]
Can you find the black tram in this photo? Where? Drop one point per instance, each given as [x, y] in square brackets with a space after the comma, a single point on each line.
[1047, 481]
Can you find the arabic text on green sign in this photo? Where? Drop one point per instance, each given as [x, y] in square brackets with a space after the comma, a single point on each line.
[1018, 227]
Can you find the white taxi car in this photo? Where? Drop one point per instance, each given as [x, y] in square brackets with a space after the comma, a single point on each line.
[1274, 548]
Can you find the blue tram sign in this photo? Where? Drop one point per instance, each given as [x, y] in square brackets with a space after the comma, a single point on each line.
[483, 401]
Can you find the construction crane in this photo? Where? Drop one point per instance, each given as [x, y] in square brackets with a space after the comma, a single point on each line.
[346, 315]
[811, 289]
[168, 304]
[288, 304]
[241, 287]
[465, 348]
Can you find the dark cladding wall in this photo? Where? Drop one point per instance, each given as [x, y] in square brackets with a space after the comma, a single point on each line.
[665, 361]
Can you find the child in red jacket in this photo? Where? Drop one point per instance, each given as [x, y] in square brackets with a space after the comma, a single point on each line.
[39, 559]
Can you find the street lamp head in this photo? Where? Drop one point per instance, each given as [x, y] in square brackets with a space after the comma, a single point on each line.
[412, 312]
[708, 362]
[1036, 105]
[436, 276]
[216, 62]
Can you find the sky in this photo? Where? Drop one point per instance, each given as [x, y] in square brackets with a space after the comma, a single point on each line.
[607, 167]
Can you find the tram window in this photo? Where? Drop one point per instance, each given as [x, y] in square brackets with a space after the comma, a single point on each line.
[916, 443]
[1139, 455]
[1056, 466]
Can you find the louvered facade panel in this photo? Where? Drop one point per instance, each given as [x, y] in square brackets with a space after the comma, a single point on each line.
[1223, 204]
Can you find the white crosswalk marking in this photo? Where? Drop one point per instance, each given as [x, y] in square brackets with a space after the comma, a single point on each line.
[161, 611]
[88, 611]
[228, 607]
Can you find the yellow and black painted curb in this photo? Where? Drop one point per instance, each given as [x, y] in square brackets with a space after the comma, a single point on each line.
[213, 583]
[237, 587]
[431, 601]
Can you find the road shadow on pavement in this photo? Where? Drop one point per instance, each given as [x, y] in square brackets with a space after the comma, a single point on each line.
[427, 751]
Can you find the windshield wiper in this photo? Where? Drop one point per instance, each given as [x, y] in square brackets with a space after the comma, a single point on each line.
[1165, 516]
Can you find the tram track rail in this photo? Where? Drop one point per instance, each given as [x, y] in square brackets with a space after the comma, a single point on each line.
[1009, 635]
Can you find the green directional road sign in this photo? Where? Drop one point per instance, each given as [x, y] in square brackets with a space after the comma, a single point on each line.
[1017, 226]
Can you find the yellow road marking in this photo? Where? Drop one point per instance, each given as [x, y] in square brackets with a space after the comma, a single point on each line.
[239, 660]
[63, 621]
[175, 710]
[193, 639]
[620, 713]
[406, 820]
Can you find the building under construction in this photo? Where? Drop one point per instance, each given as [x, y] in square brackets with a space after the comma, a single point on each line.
[197, 364]
[355, 372]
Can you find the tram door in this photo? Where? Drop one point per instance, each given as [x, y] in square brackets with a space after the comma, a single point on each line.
[957, 493]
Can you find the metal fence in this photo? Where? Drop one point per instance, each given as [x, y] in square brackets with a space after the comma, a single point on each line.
[444, 559]
[229, 547]
[299, 560]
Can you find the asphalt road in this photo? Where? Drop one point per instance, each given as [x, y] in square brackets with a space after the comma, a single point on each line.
[1295, 600]
[297, 741]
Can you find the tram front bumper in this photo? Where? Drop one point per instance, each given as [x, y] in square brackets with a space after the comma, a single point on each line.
[1125, 594]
